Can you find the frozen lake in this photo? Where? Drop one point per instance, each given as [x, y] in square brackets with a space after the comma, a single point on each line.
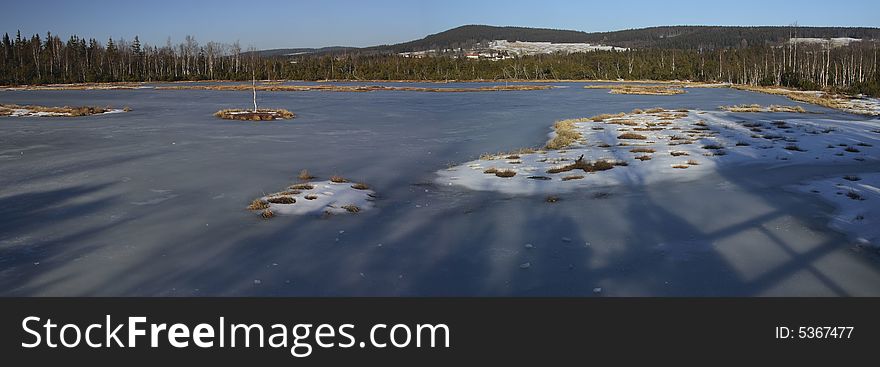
[151, 203]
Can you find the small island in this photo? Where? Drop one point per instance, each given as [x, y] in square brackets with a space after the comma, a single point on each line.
[262, 114]
[14, 110]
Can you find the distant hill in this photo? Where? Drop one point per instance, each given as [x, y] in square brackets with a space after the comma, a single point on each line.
[303, 51]
[679, 37]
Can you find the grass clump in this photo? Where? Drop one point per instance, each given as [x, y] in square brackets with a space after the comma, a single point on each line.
[351, 208]
[642, 150]
[490, 171]
[258, 204]
[505, 173]
[572, 177]
[680, 166]
[310, 197]
[851, 149]
[852, 178]
[854, 195]
[632, 136]
[566, 134]
[305, 175]
[586, 166]
[793, 147]
[281, 200]
[643, 158]
[301, 186]
[677, 153]
[605, 116]
[338, 179]
[360, 186]
[712, 146]
[267, 213]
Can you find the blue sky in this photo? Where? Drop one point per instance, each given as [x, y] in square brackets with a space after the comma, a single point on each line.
[276, 24]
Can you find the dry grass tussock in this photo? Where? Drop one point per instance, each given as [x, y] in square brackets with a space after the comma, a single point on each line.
[632, 136]
[566, 134]
[305, 175]
[9, 109]
[642, 150]
[249, 115]
[587, 166]
[360, 186]
[651, 90]
[258, 204]
[759, 108]
[505, 173]
[337, 179]
[824, 99]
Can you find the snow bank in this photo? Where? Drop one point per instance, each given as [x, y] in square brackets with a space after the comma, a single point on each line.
[677, 145]
[24, 112]
[857, 199]
[320, 198]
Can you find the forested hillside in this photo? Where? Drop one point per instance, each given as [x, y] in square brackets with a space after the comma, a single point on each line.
[854, 68]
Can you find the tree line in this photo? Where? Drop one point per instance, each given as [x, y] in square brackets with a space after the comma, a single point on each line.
[41, 60]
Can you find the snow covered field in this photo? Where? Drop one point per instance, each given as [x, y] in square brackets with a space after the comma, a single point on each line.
[647, 148]
[857, 199]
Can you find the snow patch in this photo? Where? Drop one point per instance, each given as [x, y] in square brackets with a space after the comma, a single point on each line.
[857, 199]
[322, 197]
[685, 145]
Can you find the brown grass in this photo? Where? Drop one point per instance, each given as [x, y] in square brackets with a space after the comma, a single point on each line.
[680, 166]
[281, 200]
[643, 158]
[305, 175]
[566, 134]
[572, 177]
[360, 186]
[505, 173]
[605, 116]
[490, 171]
[824, 100]
[338, 179]
[632, 136]
[351, 208]
[586, 166]
[642, 150]
[651, 90]
[267, 213]
[258, 204]
[301, 186]
[678, 153]
[310, 197]
[692, 162]
[260, 115]
[759, 108]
